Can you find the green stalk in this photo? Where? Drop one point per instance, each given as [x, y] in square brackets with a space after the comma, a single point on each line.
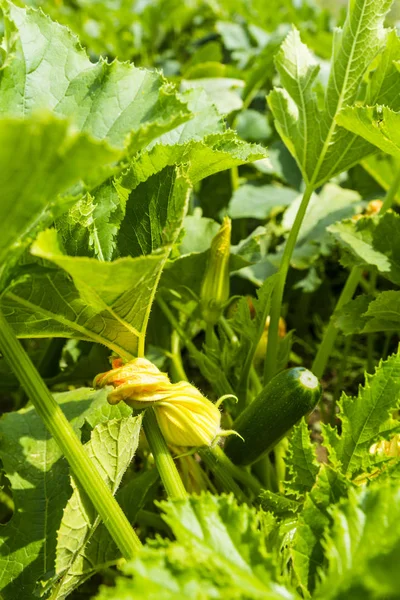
[81, 465]
[162, 456]
[325, 349]
[326, 346]
[277, 296]
[176, 361]
[236, 472]
[224, 478]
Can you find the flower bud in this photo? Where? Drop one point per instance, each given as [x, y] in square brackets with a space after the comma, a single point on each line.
[215, 286]
[136, 380]
[186, 417]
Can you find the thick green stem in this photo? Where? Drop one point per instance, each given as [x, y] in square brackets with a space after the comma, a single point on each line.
[236, 472]
[81, 465]
[162, 456]
[325, 349]
[277, 296]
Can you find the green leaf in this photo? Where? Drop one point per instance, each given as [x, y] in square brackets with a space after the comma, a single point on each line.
[82, 546]
[42, 157]
[372, 241]
[383, 313]
[213, 153]
[106, 302]
[91, 225]
[351, 318]
[322, 148]
[362, 546]
[366, 418]
[332, 204]
[153, 214]
[278, 504]
[40, 481]
[46, 68]
[306, 548]
[259, 202]
[301, 460]
[219, 552]
[378, 124]
[383, 168]
[295, 106]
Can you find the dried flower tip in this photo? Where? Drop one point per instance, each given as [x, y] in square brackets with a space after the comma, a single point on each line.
[136, 380]
[215, 286]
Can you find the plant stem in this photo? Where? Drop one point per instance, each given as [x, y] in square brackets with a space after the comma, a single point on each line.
[83, 469]
[176, 360]
[326, 346]
[325, 349]
[236, 472]
[209, 335]
[162, 456]
[206, 366]
[391, 194]
[277, 296]
[221, 474]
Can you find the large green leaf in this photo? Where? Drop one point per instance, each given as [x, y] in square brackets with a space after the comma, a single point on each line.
[363, 546]
[365, 419]
[322, 148]
[106, 302]
[83, 543]
[46, 68]
[40, 481]
[202, 144]
[41, 157]
[219, 552]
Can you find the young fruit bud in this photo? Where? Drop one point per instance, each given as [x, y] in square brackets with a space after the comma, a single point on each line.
[215, 286]
[133, 381]
[186, 417]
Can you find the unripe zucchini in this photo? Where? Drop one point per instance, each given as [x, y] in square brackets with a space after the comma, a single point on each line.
[281, 404]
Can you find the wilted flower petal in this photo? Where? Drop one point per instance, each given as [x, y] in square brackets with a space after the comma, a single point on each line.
[136, 380]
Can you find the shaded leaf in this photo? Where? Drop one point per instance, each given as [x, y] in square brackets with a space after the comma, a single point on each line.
[40, 481]
[82, 546]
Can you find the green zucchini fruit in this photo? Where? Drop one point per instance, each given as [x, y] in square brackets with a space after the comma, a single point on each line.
[281, 404]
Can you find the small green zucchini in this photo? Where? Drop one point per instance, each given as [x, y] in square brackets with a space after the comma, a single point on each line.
[281, 404]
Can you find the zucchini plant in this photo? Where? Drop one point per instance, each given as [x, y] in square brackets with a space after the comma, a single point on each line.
[194, 404]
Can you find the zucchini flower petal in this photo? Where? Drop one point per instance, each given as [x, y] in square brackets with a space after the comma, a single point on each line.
[136, 380]
[186, 417]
